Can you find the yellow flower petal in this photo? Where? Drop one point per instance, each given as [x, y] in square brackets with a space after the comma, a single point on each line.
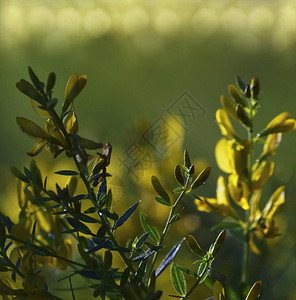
[277, 199]
[254, 207]
[229, 106]
[281, 123]
[271, 144]
[225, 124]
[221, 204]
[239, 191]
[253, 246]
[261, 174]
[57, 134]
[221, 153]
[232, 157]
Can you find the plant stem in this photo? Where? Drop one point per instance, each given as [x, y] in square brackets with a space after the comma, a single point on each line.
[196, 283]
[51, 253]
[11, 264]
[166, 228]
[246, 248]
[90, 191]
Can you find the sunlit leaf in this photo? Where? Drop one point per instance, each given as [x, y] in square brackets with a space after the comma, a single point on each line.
[28, 89]
[74, 87]
[160, 190]
[32, 129]
[126, 215]
[194, 246]
[178, 280]
[168, 259]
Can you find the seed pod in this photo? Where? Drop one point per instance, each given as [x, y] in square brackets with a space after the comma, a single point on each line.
[108, 260]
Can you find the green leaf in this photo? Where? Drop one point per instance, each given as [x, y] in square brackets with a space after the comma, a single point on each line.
[202, 272]
[255, 291]
[74, 86]
[179, 176]
[159, 189]
[67, 173]
[194, 195]
[175, 218]
[240, 84]
[218, 243]
[236, 95]
[126, 215]
[91, 210]
[201, 178]
[168, 259]
[18, 174]
[223, 225]
[32, 129]
[37, 83]
[178, 190]
[194, 246]
[37, 148]
[187, 161]
[50, 82]
[178, 280]
[29, 90]
[154, 234]
[34, 231]
[86, 143]
[163, 201]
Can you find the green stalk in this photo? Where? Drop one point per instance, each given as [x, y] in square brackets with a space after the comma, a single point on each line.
[11, 264]
[166, 228]
[196, 283]
[51, 253]
[90, 190]
[246, 248]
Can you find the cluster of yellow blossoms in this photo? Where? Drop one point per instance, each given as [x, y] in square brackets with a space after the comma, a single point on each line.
[246, 176]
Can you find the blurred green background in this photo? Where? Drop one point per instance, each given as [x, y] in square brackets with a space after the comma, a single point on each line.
[139, 57]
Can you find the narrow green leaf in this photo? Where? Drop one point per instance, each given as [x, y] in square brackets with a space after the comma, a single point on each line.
[67, 172]
[159, 189]
[179, 176]
[255, 291]
[218, 243]
[201, 178]
[178, 280]
[18, 174]
[202, 272]
[187, 161]
[163, 201]
[194, 246]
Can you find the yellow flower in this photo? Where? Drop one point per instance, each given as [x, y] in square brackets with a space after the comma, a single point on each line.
[254, 207]
[232, 157]
[277, 199]
[261, 174]
[265, 221]
[225, 124]
[239, 191]
[281, 123]
[271, 144]
[220, 204]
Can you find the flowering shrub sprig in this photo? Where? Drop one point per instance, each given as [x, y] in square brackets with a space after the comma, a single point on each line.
[52, 224]
[246, 175]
